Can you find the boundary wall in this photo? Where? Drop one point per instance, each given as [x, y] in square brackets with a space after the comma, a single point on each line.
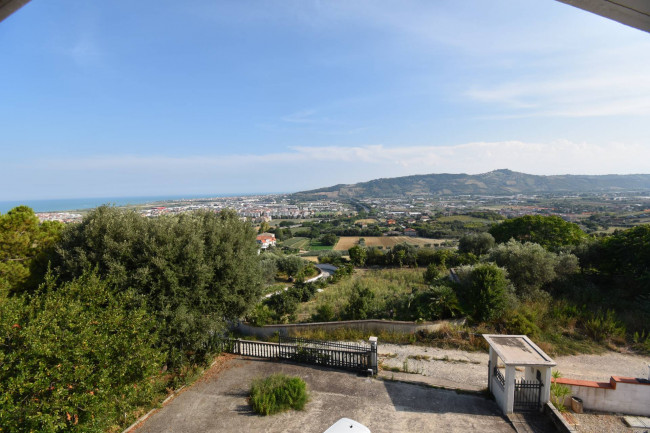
[371, 325]
[625, 395]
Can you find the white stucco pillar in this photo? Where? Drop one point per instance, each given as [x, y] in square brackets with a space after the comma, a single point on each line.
[494, 362]
[510, 388]
[546, 380]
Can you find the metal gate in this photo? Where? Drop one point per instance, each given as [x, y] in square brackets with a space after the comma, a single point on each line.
[528, 395]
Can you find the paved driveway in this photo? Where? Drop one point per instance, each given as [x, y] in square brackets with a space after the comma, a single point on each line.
[219, 404]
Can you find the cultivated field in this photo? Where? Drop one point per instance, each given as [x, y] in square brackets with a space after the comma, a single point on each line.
[347, 242]
[297, 242]
[366, 221]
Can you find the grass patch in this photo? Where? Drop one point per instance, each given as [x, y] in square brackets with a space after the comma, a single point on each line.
[319, 246]
[278, 393]
[386, 284]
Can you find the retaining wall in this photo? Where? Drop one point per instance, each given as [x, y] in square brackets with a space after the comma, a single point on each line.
[362, 325]
[626, 395]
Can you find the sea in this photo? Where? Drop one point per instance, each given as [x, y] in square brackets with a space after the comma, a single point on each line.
[71, 204]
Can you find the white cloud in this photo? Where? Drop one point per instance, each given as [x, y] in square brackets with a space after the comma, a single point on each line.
[556, 157]
[302, 168]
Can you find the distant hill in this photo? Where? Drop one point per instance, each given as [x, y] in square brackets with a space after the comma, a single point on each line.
[497, 182]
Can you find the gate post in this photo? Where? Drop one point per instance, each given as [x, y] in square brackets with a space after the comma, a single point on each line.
[373, 354]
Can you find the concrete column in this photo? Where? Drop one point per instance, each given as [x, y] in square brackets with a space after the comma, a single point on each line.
[493, 362]
[373, 354]
[546, 380]
[510, 388]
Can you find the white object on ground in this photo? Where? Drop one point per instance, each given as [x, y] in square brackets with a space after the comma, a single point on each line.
[347, 425]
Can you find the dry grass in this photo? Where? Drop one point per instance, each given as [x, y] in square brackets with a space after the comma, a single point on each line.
[366, 221]
[347, 242]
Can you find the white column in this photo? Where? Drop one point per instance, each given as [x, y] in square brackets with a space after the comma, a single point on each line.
[546, 379]
[510, 388]
[494, 362]
[373, 354]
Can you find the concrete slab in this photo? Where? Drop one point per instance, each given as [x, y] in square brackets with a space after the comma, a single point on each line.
[637, 421]
[219, 404]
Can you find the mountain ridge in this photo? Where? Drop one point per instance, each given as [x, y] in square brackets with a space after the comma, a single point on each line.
[496, 182]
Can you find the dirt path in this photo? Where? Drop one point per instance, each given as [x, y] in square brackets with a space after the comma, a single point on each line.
[456, 368]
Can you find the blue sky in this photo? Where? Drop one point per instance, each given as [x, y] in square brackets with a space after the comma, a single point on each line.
[130, 98]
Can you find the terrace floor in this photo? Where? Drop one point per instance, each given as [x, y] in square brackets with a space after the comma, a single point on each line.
[218, 403]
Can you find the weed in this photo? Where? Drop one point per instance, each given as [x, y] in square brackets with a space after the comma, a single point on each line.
[277, 393]
[420, 357]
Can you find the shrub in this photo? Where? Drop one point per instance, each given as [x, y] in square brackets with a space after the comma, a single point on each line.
[260, 316]
[484, 291]
[75, 357]
[434, 303]
[359, 304]
[604, 327]
[431, 274]
[558, 392]
[324, 313]
[278, 393]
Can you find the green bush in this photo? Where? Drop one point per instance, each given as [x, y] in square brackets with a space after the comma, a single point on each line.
[360, 304]
[558, 392]
[278, 393]
[76, 358]
[484, 291]
[604, 327]
[324, 313]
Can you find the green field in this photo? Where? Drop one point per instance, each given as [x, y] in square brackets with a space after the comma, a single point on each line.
[317, 246]
[297, 242]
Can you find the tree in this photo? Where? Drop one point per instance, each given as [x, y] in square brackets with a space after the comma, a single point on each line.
[24, 246]
[483, 291]
[291, 265]
[75, 357]
[264, 227]
[623, 261]
[268, 267]
[329, 239]
[530, 266]
[357, 255]
[195, 269]
[551, 232]
[477, 244]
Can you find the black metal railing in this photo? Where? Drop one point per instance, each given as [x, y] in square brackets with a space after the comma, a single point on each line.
[499, 377]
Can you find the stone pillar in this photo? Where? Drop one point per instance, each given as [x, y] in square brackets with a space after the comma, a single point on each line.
[373, 354]
[510, 388]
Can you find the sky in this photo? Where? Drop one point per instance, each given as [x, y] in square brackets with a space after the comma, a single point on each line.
[134, 98]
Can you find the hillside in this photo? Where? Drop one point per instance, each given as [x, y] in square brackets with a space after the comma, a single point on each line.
[498, 182]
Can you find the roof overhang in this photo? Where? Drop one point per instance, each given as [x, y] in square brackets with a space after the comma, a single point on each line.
[518, 350]
[8, 7]
[633, 13]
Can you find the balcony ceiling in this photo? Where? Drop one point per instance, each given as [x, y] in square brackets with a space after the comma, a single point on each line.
[634, 13]
[7, 7]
